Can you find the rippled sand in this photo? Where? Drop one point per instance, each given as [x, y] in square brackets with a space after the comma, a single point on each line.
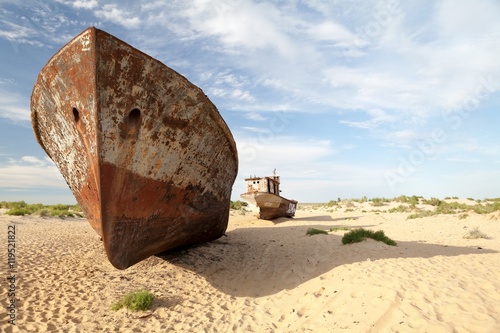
[266, 277]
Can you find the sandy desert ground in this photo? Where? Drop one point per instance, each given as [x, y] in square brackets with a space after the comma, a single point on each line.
[265, 276]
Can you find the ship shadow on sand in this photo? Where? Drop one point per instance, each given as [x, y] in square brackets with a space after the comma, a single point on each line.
[265, 260]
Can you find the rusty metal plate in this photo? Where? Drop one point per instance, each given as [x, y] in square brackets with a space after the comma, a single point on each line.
[144, 151]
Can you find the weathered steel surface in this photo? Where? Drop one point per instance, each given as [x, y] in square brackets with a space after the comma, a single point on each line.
[144, 151]
[264, 193]
[270, 205]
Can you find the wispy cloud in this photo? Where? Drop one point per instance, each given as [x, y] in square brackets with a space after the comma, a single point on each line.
[255, 116]
[13, 106]
[30, 172]
[86, 4]
[115, 14]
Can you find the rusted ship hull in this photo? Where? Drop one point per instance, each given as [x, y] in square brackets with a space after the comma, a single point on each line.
[144, 151]
[270, 205]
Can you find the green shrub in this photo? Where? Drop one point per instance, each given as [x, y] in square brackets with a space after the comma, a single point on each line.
[358, 235]
[137, 300]
[13, 204]
[338, 228]
[237, 205]
[18, 211]
[314, 231]
[377, 202]
[486, 209]
[433, 202]
[402, 198]
[331, 203]
[399, 209]
[22, 208]
[44, 212]
[420, 214]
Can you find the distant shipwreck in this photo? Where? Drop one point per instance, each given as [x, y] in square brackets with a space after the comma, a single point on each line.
[144, 151]
[264, 192]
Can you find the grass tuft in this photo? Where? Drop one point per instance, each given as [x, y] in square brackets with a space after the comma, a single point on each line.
[475, 233]
[358, 235]
[338, 228]
[314, 231]
[135, 301]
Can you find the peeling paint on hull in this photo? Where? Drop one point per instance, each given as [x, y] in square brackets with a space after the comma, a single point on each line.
[144, 151]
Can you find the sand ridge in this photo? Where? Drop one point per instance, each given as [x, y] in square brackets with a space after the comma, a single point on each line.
[267, 276]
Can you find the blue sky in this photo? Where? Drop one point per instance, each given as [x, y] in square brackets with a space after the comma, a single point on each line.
[344, 98]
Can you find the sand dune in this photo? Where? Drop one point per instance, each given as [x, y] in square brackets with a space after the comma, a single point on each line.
[266, 277]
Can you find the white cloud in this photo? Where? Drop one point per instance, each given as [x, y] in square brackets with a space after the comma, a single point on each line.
[255, 116]
[243, 23]
[268, 147]
[332, 31]
[112, 13]
[242, 95]
[256, 129]
[31, 172]
[85, 4]
[19, 34]
[12, 106]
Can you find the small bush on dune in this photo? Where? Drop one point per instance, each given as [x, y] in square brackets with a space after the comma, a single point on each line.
[237, 205]
[378, 202]
[331, 203]
[358, 235]
[314, 231]
[44, 212]
[400, 209]
[423, 213]
[13, 204]
[138, 300]
[486, 209]
[402, 198]
[475, 233]
[18, 212]
[433, 202]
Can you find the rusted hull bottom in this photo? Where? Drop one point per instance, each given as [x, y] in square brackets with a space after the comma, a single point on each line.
[271, 206]
[142, 217]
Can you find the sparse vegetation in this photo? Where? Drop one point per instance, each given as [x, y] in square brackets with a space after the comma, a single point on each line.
[475, 233]
[443, 207]
[237, 205]
[21, 208]
[400, 209]
[331, 203]
[378, 202]
[420, 214]
[487, 208]
[338, 228]
[360, 234]
[314, 231]
[433, 202]
[135, 301]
